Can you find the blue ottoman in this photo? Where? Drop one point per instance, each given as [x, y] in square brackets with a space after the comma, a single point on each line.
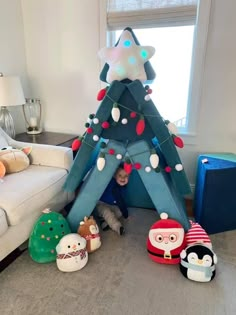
[215, 192]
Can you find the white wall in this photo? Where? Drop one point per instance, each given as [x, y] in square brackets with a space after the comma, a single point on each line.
[217, 111]
[12, 50]
[217, 128]
[62, 40]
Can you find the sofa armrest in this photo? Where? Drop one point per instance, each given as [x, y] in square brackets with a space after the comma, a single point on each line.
[47, 155]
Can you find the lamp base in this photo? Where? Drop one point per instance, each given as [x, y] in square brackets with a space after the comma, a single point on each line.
[6, 122]
[34, 132]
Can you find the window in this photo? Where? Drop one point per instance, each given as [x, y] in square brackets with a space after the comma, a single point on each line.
[178, 31]
[172, 64]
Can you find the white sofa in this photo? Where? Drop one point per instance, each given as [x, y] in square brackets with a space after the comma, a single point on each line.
[25, 194]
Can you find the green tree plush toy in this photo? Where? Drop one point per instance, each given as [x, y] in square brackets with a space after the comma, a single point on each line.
[46, 234]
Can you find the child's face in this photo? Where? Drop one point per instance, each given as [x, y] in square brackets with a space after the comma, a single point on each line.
[121, 177]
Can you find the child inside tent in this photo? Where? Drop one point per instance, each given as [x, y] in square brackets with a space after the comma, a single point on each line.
[111, 206]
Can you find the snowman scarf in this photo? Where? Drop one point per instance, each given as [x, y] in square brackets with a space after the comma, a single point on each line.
[81, 253]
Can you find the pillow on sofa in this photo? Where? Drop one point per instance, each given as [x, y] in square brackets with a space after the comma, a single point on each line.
[14, 160]
[2, 170]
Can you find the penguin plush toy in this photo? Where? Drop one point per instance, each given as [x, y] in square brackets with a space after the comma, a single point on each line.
[198, 263]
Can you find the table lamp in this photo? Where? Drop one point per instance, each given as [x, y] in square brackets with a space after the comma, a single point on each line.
[11, 94]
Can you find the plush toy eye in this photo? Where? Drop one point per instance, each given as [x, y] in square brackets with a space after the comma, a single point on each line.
[207, 260]
[192, 257]
[79, 244]
[172, 237]
[159, 238]
[68, 246]
[51, 229]
[6, 148]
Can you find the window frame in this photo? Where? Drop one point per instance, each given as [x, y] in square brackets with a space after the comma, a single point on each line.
[198, 59]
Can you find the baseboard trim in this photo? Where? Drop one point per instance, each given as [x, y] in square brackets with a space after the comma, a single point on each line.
[10, 258]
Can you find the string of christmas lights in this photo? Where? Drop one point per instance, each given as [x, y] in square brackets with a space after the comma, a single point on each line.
[140, 126]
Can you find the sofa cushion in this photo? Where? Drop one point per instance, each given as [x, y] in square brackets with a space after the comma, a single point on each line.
[3, 222]
[35, 186]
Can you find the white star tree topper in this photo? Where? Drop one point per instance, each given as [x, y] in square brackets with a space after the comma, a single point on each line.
[126, 60]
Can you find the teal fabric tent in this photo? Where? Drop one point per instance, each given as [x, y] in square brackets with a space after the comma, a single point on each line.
[134, 130]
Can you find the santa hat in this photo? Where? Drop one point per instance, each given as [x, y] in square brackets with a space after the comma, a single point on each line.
[166, 223]
[196, 234]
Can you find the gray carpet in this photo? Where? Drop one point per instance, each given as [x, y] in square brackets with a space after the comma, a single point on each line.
[120, 279]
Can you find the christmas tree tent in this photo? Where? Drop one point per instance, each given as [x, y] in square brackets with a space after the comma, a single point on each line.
[135, 133]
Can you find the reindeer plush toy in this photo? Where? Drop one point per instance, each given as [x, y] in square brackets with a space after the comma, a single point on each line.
[90, 231]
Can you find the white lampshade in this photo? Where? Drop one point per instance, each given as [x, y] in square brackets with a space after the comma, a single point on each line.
[11, 92]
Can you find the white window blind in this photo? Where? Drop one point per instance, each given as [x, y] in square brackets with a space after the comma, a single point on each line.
[150, 13]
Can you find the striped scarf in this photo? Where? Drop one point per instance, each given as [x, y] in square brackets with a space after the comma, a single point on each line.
[81, 253]
[91, 236]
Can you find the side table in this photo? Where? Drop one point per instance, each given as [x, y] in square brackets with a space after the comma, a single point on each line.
[46, 137]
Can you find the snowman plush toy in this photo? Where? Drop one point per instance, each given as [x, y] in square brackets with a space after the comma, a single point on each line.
[71, 253]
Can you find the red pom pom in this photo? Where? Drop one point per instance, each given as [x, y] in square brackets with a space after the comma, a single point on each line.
[105, 125]
[101, 94]
[137, 166]
[178, 142]
[111, 151]
[76, 145]
[149, 91]
[90, 130]
[168, 169]
[133, 114]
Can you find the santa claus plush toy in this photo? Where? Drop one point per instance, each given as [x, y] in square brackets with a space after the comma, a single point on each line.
[166, 240]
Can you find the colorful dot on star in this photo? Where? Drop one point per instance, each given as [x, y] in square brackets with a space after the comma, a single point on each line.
[120, 71]
[144, 54]
[127, 43]
[132, 60]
